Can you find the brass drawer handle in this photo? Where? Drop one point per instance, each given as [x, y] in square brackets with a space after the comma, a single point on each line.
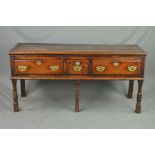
[38, 62]
[116, 64]
[100, 68]
[132, 68]
[77, 67]
[22, 68]
[54, 68]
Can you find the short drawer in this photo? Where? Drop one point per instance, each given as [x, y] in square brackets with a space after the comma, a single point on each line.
[116, 67]
[76, 66]
[39, 66]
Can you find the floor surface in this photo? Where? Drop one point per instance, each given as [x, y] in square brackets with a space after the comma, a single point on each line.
[104, 105]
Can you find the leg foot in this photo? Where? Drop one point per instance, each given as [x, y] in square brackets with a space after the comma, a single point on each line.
[77, 94]
[139, 97]
[22, 87]
[138, 108]
[130, 90]
[15, 96]
[16, 108]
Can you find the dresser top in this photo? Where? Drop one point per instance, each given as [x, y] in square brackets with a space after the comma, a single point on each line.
[45, 48]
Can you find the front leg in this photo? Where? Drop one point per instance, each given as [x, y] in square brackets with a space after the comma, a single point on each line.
[130, 90]
[77, 94]
[139, 96]
[15, 96]
[22, 87]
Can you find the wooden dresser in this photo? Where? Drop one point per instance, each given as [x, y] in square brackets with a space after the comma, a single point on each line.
[40, 61]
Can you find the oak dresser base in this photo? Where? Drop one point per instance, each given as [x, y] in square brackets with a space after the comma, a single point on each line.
[77, 62]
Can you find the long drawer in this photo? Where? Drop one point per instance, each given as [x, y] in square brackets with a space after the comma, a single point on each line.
[119, 66]
[34, 67]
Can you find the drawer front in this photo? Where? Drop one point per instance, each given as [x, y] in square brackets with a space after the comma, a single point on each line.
[34, 67]
[116, 67]
[76, 66]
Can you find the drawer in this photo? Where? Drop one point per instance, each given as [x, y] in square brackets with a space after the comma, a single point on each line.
[116, 67]
[76, 66]
[39, 66]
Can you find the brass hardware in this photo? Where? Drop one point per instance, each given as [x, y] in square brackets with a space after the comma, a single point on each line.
[132, 68]
[22, 68]
[77, 66]
[100, 68]
[38, 62]
[115, 64]
[54, 68]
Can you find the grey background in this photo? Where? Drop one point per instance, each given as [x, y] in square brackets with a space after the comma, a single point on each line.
[49, 104]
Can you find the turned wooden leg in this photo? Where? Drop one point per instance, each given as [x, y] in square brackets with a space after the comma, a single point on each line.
[22, 87]
[15, 96]
[139, 96]
[130, 90]
[77, 94]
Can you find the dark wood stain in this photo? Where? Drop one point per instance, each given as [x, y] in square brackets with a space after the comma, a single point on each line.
[76, 62]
